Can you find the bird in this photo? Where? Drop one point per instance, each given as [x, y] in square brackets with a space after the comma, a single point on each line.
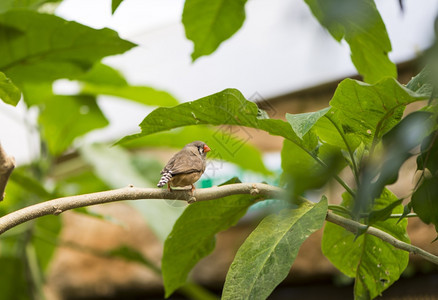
[185, 167]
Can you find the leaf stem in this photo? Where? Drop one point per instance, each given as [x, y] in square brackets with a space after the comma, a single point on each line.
[335, 176]
[322, 163]
[350, 151]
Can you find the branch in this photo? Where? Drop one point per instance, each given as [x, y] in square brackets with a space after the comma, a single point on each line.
[57, 206]
[7, 164]
[354, 226]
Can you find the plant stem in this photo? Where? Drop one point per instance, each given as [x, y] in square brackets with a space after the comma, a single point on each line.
[350, 151]
[354, 226]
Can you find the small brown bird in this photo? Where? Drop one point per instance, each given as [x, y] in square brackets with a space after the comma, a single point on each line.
[186, 166]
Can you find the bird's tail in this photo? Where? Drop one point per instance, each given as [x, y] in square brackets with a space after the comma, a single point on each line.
[167, 175]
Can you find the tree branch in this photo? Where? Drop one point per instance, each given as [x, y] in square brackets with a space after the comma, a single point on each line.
[7, 164]
[57, 206]
[354, 226]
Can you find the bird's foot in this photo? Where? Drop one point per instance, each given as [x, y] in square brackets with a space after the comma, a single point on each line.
[192, 199]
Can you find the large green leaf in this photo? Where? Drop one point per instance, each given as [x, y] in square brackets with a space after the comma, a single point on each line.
[228, 107]
[66, 117]
[360, 24]
[368, 111]
[209, 23]
[51, 47]
[266, 256]
[374, 263]
[9, 93]
[222, 141]
[104, 80]
[160, 215]
[193, 236]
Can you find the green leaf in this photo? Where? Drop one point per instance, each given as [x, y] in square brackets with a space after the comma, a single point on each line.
[384, 213]
[223, 142]
[302, 172]
[52, 47]
[374, 263]
[66, 117]
[425, 201]
[104, 80]
[160, 215]
[369, 111]
[406, 210]
[302, 123]
[228, 107]
[141, 94]
[101, 74]
[384, 170]
[114, 5]
[330, 130]
[360, 24]
[35, 93]
[9, 93]
[422, 83]
[209, 23]
[428, 158]
[193, 235]
[266, 256]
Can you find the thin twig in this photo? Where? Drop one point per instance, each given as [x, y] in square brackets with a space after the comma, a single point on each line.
[354, 226]
[7, 165]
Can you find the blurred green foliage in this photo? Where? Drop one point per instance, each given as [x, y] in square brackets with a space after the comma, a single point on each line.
[362, 129]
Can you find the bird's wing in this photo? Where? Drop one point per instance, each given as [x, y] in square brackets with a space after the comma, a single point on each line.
[184, 163]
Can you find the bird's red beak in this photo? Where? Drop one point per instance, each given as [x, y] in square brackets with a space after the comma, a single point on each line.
[206, 148]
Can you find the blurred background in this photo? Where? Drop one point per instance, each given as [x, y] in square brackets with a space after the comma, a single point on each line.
[282, 59]
[280, 49]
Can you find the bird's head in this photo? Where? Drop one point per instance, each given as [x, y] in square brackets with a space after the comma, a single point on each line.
[201, 146]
